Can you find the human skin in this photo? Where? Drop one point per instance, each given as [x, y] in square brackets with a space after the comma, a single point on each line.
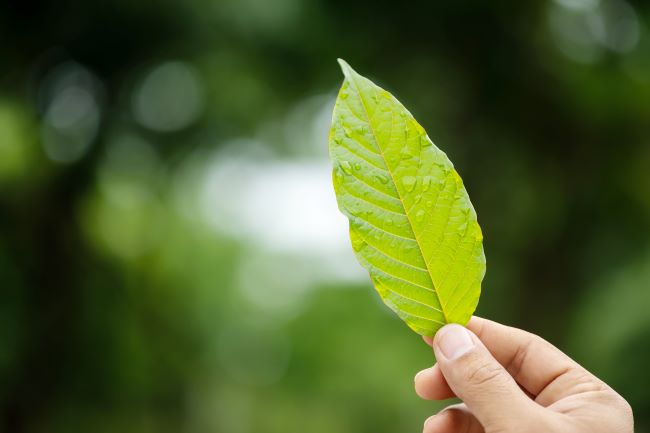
[513, 381]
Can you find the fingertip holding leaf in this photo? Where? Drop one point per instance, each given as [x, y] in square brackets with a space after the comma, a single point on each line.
[412, 225]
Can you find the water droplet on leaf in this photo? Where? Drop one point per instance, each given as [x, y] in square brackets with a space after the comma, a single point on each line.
[426, 182]
[346, 166]
[409, 182]
[357, 243]
[382, 178]
[405, 154]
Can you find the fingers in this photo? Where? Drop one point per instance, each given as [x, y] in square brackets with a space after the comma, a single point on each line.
[453, 419]
[430, 384]
[543, 371]
[533, 362]
[476, 377]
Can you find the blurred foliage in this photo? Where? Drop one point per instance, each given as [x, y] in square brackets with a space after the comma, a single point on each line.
[151, 279]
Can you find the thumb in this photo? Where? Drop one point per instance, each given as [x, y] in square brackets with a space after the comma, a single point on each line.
[480, 381]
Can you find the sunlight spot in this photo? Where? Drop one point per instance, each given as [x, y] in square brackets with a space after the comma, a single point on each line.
[169, 98]
[72, 113]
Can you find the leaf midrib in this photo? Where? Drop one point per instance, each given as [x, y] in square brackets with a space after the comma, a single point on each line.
[399, 196]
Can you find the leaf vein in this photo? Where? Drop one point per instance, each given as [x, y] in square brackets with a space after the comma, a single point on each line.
[395, 259]
[401, 295]
[361, 157]
[347, 191]
[388, 274]
[363, 181]
[382, 230]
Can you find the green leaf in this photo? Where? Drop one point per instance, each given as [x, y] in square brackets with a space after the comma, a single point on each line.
[412, 225]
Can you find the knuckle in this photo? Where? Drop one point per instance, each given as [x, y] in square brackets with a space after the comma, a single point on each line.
[614, 413]
[582, 381]
[597, 392]
[626, 408]
[628, 413]
[579, 374]
[483, 372]
[516, 365]
[621, 405]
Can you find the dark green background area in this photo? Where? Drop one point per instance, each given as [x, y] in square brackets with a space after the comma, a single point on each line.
[120, 312]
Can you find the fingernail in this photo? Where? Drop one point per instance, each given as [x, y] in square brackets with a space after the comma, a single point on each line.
[454, 341]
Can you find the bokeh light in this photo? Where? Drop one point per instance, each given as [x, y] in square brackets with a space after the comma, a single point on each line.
[71, 112]
[169, 98]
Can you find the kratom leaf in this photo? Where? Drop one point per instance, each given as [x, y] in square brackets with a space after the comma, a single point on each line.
[412, 225]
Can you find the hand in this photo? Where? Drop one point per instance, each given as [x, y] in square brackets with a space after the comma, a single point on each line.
[514, 381]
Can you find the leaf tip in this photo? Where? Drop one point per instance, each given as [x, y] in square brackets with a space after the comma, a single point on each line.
[346, 68]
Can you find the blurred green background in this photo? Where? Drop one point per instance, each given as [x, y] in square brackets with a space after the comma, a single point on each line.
[171, 256]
